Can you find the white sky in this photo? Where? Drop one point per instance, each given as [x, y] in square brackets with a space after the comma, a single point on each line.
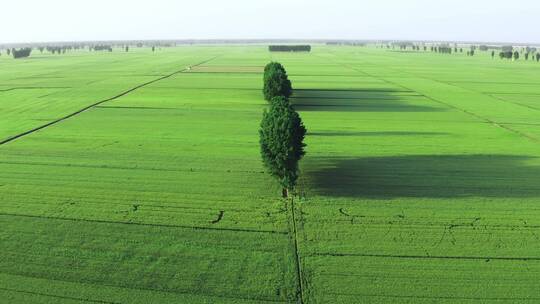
[464, 20]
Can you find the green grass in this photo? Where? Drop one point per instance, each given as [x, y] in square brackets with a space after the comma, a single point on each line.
[420, 185]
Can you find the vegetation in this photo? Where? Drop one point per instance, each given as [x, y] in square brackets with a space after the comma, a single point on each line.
[276, 82]
[289, 48]
[102, 48]
[444, 49]
[506, 55]
[281, 137]
[420, 184]
[21, 53]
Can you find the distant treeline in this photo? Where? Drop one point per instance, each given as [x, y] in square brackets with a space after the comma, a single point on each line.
[515, 55]
[346, 43]
[56, 49]
[289, 48]
[21, 53]
[101, 48]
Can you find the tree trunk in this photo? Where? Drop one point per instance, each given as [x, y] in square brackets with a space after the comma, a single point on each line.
[285, 192]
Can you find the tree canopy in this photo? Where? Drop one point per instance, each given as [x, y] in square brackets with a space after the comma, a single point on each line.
[21, 53]
[276, 81]
[281, 138]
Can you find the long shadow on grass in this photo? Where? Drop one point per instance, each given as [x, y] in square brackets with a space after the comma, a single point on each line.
[357, 100]
[372, 134]
[428, 176]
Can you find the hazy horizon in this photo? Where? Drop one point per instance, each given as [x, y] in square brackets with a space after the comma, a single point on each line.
[421, 20]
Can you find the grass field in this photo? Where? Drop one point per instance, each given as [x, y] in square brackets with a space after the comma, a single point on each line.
[142, 182]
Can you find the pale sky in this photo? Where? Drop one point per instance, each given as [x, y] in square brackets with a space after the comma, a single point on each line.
[463, 20]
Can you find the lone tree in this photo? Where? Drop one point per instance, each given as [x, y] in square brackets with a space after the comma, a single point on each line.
[276, 82]
[281, 137]
[516, 55]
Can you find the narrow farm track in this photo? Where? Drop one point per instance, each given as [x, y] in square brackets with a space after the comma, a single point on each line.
[54, 122]
[297, 255]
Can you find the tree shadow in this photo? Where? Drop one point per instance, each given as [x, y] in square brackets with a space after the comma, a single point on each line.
[424, 176]
[368, 100]
[373, 134]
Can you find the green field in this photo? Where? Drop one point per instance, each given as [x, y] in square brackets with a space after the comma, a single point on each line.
[421, 182]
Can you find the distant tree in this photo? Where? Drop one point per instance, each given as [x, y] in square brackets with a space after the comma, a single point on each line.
[21, 53]
[492, 54]
[281, 138]
[507, 48]
[276, 82]
[8, 52]
[507, 54]
[41, 49]
[516, 55]
[526, 56]
[153, 48]
[537, 56]
[127, 48]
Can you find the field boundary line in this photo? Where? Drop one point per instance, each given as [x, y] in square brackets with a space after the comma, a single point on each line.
[58, 296]
[300, 291]
[508, 101]
[173, 292]
[145, 224]
[432, 297]
[434, 257]
[54, 122]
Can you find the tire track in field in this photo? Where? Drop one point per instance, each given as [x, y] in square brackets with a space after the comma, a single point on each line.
[173, 292]
[294, 236]
[434, 257]
[483, 299]
[143, 224]
[58, 296]
[54, 122]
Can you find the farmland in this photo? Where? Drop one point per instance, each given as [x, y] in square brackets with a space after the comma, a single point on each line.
[143, 181]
